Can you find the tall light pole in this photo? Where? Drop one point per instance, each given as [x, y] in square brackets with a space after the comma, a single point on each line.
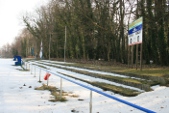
[65, 44]
[50, 27]
[49, 45]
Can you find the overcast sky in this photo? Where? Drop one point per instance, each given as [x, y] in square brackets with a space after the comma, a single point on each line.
[11, 12]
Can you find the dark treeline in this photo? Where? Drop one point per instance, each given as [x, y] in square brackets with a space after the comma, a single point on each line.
[97, 29]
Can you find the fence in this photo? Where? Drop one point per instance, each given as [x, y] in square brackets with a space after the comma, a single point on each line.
[87, 87]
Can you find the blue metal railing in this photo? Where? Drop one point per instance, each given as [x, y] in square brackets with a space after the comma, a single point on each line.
[97, 91]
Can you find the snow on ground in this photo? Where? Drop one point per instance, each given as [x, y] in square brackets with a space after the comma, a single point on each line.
[17, 98]
[92, 71]
[88, 78]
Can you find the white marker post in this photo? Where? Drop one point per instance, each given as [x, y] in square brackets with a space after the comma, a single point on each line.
[90, 105]
[60, 88]
[40, 75]
[34, 71]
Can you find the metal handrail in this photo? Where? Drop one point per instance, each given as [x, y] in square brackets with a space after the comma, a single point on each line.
[97, 91]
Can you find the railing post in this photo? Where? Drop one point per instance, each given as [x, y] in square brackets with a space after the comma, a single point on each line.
[40, 75]
[34, 71]
[90, 105]
[60, 88]
[47, 79]
[25, 65]
[31, 68]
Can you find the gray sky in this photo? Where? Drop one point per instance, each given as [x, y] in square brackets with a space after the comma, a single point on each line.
[11, 12]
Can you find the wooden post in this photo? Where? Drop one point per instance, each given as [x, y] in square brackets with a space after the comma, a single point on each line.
[128, 56]
[132, 55]
[141, 52]
[136, 56]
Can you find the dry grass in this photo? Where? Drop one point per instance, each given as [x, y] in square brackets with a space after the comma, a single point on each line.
[120, 68]
[149, 76]
[54, 92]
[109, 87]
[152, 71]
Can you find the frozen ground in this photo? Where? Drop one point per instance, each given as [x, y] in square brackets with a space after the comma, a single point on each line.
[17, 98]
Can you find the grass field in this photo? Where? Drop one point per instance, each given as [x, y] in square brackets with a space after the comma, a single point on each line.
[149, 76]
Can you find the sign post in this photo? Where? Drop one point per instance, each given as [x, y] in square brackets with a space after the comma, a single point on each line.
[135, 37]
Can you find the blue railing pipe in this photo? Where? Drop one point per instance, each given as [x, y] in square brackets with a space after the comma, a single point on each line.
[100, 92]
